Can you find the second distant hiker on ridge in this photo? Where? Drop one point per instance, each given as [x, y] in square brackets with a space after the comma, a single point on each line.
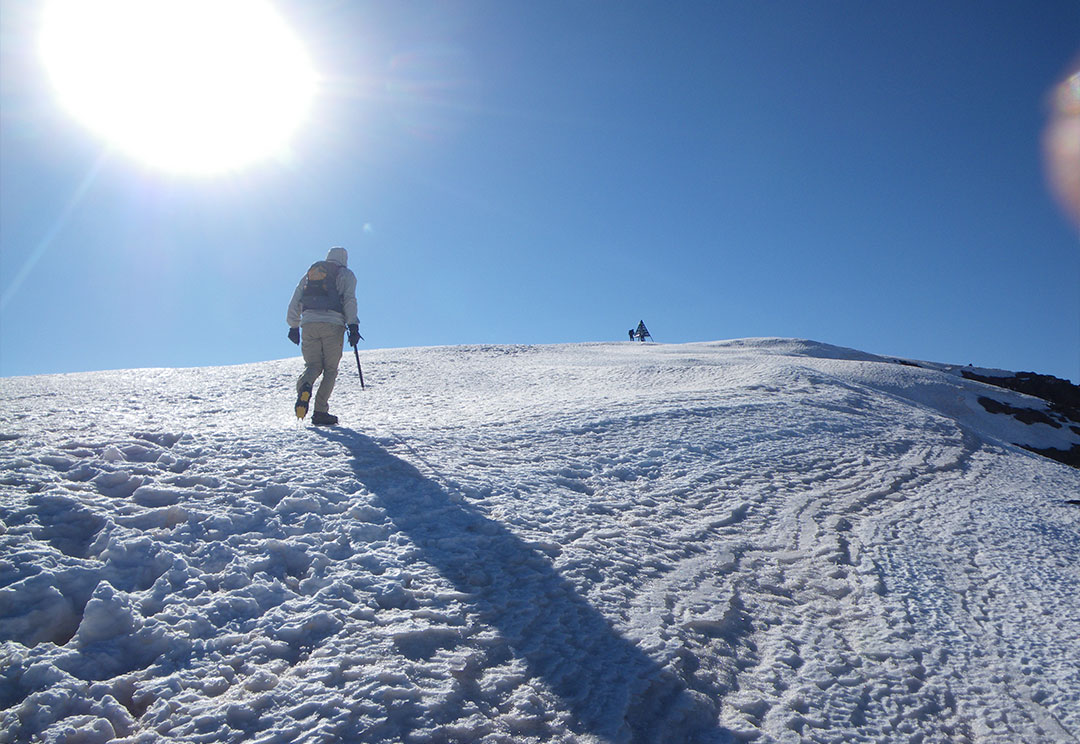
[323, 306]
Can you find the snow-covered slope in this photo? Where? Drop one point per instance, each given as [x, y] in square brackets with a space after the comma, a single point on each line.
[762, 540]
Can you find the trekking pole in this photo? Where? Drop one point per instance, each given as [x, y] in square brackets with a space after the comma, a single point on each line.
[356, 351]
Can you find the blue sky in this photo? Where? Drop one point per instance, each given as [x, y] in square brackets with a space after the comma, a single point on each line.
[864, 174]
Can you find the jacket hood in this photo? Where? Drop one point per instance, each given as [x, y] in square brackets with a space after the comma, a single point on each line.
[339, 255]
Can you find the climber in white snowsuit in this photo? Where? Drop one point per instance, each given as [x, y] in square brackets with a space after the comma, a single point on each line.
[323, 305]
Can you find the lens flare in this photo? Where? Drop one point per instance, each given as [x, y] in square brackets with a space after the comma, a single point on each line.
[1061, 145]
[431, 89]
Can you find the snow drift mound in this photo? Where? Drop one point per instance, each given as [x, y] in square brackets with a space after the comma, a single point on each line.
[765, 539]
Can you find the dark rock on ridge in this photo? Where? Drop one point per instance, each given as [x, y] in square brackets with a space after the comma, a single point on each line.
[1069, 457]
[1024, 415]
[1062, 396]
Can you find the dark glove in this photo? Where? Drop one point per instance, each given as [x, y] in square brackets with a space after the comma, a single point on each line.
[294, 335]
[354, 334]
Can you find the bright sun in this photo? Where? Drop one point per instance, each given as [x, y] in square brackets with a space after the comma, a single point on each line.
[190, 86]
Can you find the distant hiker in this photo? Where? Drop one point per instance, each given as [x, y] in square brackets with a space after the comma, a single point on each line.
[642, 332]
[323, 305]
[631, 334]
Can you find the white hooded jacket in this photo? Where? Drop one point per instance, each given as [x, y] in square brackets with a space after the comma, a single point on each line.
[346, 287]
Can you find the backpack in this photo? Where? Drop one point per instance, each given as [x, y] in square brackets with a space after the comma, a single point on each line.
[320, 291]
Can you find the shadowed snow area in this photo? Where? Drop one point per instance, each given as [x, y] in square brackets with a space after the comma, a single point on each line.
[762, 540]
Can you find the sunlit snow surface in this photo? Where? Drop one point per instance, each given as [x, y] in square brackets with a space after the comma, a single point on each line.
[759, 540]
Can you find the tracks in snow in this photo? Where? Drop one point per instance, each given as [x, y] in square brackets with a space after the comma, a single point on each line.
[795, 559]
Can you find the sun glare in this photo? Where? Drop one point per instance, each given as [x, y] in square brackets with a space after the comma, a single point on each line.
[190, 86]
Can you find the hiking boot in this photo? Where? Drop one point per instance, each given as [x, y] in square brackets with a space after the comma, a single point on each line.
[322, 418]
[302, 401]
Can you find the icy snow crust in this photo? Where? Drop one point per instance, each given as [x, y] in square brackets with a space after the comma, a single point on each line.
[767, 540]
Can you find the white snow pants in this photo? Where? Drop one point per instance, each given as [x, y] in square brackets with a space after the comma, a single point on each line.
[322, 345]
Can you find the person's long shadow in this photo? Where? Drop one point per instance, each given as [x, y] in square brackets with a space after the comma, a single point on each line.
[610, 686]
